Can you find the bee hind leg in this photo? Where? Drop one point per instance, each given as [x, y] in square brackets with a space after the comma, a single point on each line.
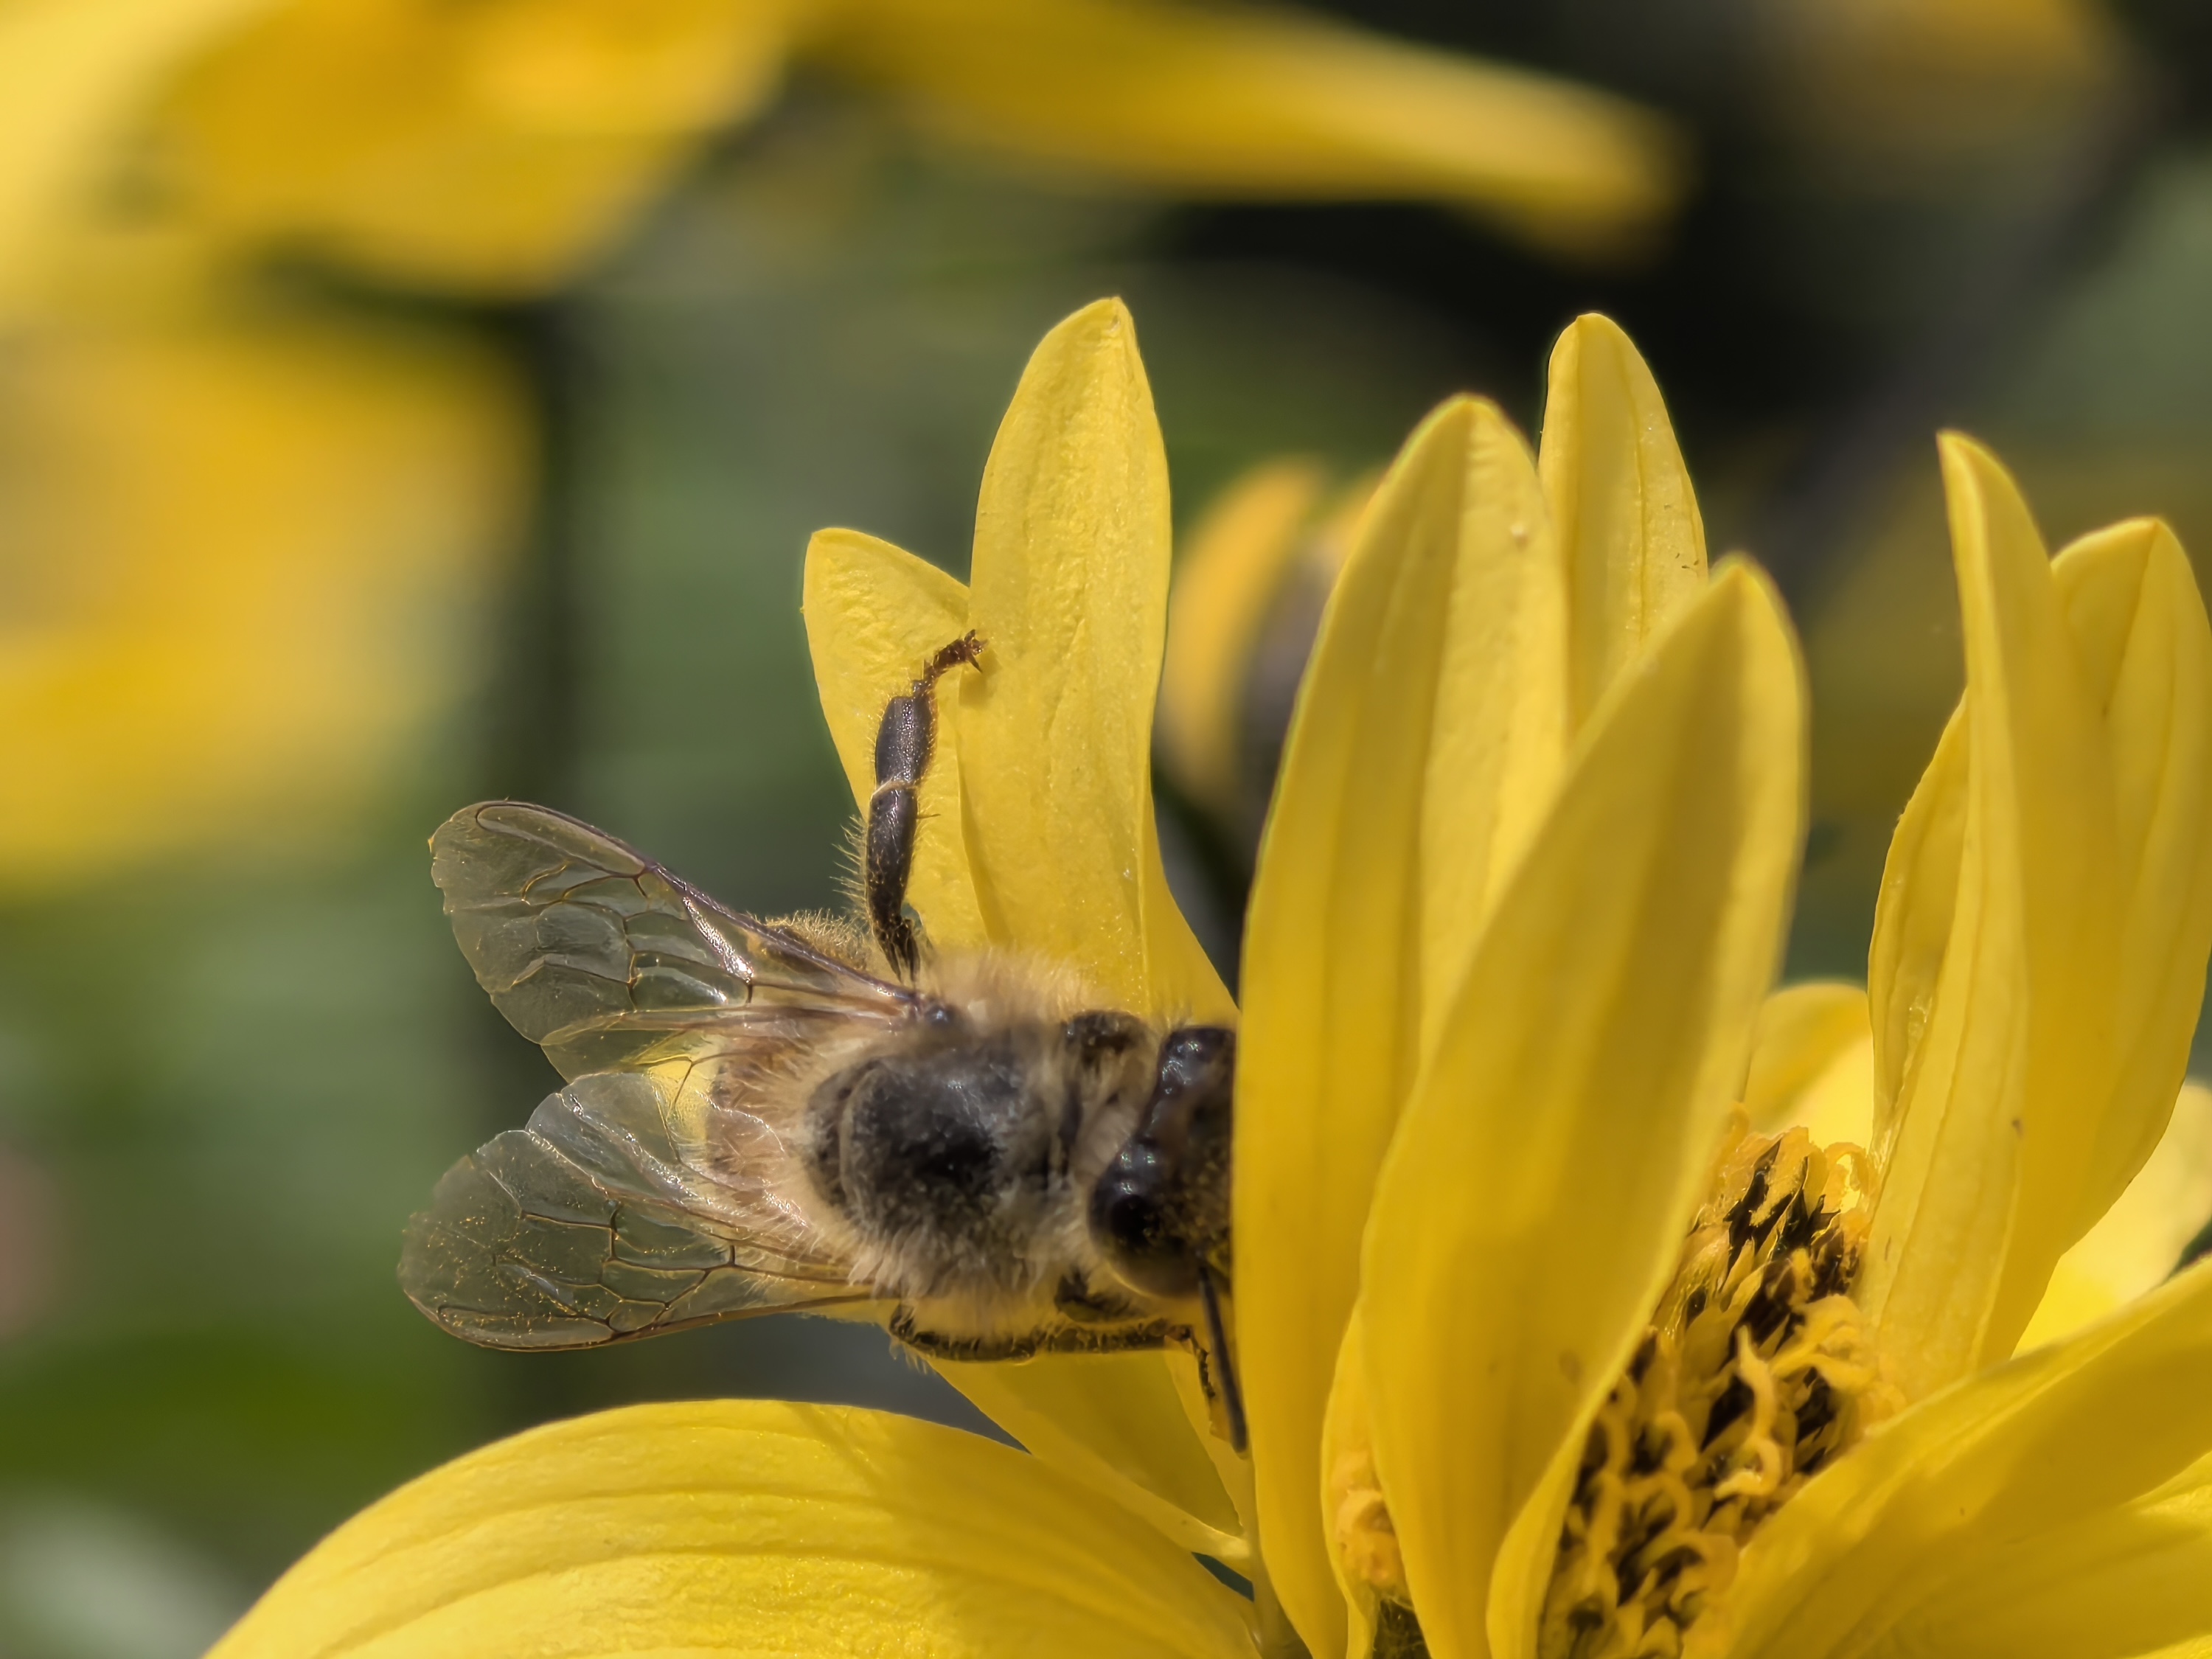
[1028, 1344]
[941, 1345]
[905, 740]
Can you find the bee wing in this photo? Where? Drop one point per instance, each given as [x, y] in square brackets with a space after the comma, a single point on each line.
[606, 959]
[590, 1226]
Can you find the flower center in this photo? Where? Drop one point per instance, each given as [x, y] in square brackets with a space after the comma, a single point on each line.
[1755, 1372]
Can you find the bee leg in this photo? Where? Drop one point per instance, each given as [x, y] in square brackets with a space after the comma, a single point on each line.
[936, 1345]
[904, 742]
[1126, 1338]
[1217, 1336]
[1075, 1301]
[1027, 1345]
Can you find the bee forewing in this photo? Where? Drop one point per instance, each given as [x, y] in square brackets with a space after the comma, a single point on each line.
[589, 1226]
[606, 959]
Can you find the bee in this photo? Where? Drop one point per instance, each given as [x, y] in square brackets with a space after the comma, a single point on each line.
[764, 1116]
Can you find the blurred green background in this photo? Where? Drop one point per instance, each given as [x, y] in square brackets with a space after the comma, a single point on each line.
[231, 1064]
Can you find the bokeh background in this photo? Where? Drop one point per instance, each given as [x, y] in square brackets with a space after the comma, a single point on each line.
[360, 458]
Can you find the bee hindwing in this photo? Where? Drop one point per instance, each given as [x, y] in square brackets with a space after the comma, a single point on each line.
[585, 1228]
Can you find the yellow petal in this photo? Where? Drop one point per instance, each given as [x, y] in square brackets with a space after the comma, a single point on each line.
[1914, 915]
[1114, 1422]
[874, 614]
[1069, 591]
[2129, 1580]
[1228, 573]
[1210, 100]
[1422, 753]
[1497, 733]
[1551, 1155]
[1621, 504]
[492, 146]
[1361, 1548]
[234, 551]
[2142, 1236]
[1999, 893]
[742, 1527]
[1838, 1104]
[2041, 936]
[1803, 1031]
[2138, 626]
[1937, 1498]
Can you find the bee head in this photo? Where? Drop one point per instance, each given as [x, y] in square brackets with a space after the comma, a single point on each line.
[1160, 1211]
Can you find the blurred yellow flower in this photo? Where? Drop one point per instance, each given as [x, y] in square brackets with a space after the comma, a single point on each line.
[1546, 1351]
[1249, 586]
[493, 147]
[155, 153]
[236, 547]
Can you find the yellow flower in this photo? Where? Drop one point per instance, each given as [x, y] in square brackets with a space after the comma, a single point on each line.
[1505, 1242]
[2037, 965]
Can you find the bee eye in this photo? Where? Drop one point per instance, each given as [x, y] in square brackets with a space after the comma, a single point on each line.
[1132, 1227]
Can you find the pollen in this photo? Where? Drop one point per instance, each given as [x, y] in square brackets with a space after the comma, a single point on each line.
[1366, 1542]
[1755, 1372]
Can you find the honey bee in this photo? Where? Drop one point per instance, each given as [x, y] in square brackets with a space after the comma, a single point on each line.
[766, 1116]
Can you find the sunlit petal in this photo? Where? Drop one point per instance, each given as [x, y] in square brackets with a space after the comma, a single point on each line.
[1553, 1147]
[2142, 1236]
[2000, 878]
[1915, 913]
[742, 1527]
[1069, 591]
[2139, 629]
[874, 614]
[1621, 504]
[1363, 1548]
[1838, 1105]
[1978, 1478]
[1803, 1031]
[1115, 1422]
[1497, 733]
[2127, 1580]
[2040, 941]
[1216, 100]
[1427, 735]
